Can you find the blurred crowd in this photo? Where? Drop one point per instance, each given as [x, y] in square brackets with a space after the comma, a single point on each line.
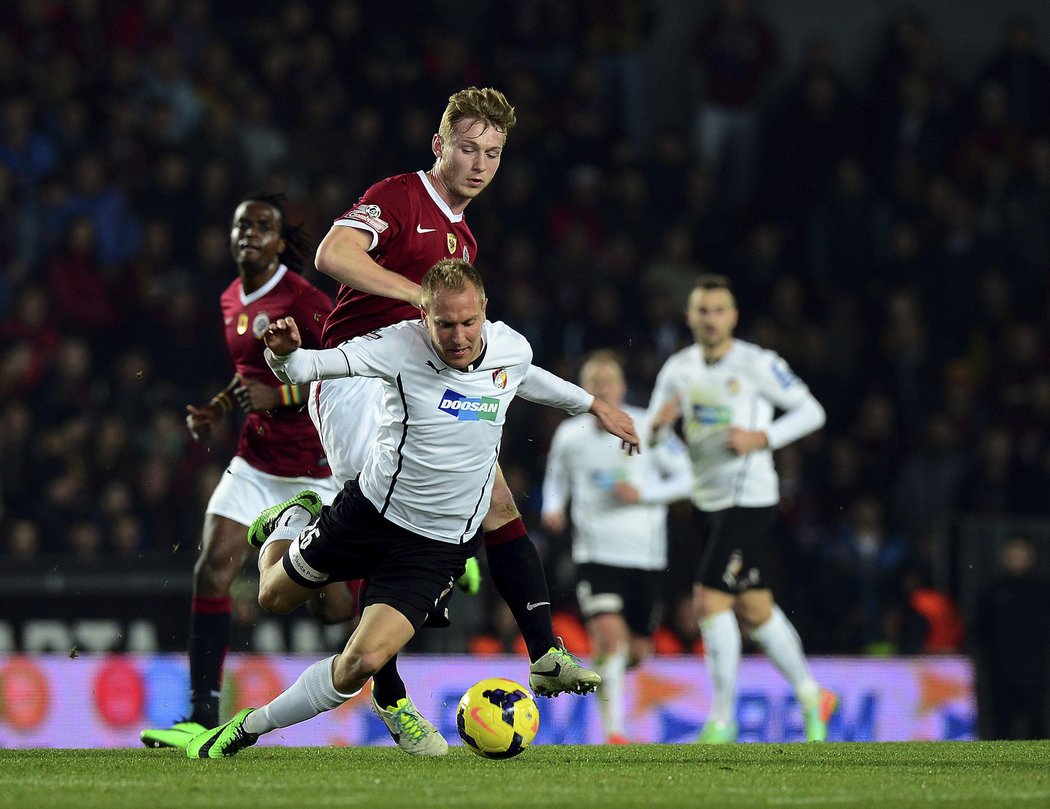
[887, 236]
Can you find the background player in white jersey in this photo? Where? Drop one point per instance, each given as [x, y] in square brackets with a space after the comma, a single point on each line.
[278, 451]
[411, 519]
[726, 391]
[619, 515]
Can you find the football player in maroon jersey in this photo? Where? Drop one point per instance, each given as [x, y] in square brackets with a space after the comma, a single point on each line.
[278, 449]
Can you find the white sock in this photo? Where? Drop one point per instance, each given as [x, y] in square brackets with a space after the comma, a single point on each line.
[312, 694]
[783, 647]
[289, 526]
[722, 644]
[613, 671]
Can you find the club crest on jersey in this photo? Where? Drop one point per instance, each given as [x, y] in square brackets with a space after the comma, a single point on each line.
[467, 408]
[260, 324]
[499, 378]
[242, 322]
[452, 241]
[733, 386]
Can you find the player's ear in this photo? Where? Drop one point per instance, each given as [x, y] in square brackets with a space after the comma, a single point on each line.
[436, 145]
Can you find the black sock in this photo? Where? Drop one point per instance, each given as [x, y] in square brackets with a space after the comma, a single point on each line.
[387, 685]
[518, 574]
[209, 639]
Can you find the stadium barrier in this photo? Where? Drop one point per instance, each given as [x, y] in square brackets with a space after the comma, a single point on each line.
[105, 700]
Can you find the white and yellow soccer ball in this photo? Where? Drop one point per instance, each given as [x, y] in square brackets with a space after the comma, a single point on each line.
[497, 718]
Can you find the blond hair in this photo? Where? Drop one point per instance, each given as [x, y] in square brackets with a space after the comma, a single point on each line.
[449, 274]
[486, 104]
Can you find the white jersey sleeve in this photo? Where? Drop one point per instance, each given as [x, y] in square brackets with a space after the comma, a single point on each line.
[543, 387]
[556, 479]
[377, 354]
[673, 478]
[802, 415]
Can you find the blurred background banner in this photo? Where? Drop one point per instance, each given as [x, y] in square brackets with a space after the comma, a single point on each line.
[104, 701]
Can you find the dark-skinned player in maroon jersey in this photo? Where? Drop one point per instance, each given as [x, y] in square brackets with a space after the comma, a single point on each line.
[278, 450]
[378, 251]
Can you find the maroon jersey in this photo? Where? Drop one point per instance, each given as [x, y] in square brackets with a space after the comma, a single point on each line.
[280, 442]
[412, 230]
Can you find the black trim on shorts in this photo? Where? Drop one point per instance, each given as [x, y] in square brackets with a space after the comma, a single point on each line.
[400, 447]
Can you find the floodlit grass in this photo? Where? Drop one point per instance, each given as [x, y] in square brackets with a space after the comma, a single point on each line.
[884, 775]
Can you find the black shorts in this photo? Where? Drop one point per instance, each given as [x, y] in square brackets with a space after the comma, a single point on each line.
[736, 548]
[350, 540]
[634, 593]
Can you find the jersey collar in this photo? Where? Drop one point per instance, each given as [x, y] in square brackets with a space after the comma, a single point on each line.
[454, 218]
[275, 279]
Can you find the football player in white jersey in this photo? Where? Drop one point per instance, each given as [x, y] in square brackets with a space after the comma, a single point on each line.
[412, 518]
[619, 541]
[725, 392]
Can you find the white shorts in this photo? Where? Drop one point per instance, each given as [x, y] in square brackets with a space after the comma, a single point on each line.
[244, 491]
[346, 413]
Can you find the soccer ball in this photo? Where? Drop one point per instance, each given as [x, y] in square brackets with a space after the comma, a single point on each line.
[497, 718]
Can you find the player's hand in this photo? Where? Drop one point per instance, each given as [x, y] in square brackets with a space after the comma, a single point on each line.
[626, 493]
[282, 337]
[254, 395]
[617, 422]
[470, 581]
[201, 420]
[553, 522]
[741, 442]
[668, 414]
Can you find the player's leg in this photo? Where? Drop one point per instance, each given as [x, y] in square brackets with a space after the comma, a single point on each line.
[599, 592]
[221, 559]
[325, 685]
[772, 630]
[518, 576]
[722, 645]
[714, 597]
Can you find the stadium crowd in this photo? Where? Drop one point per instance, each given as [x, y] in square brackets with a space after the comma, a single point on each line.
[887, 237]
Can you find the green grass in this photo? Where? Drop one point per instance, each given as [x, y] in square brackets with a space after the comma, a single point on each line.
[885, 775]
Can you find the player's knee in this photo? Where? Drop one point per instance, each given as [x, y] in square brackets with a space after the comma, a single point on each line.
[273, 599]
[212, 578]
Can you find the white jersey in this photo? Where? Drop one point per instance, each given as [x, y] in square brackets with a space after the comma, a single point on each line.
[433, 463]
[585, 462]
[739, 390]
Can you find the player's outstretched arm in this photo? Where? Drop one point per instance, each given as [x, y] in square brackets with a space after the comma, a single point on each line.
[618, 423]
[282, 337]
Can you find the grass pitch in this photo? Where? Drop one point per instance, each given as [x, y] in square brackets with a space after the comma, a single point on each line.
[883, 775]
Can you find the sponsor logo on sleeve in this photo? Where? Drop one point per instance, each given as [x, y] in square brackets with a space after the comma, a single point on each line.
[784, 375]
[370, 215]
[466, 408]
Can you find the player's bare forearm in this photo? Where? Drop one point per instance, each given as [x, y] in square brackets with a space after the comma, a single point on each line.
[619, 423]
[667, 415]
[742, 442]
[343, 255]
[282, 337]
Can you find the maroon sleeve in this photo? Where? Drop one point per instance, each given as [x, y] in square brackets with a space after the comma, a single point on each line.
[382, 209]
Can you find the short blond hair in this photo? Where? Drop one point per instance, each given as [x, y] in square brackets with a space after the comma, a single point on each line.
[599, 357]
[449, 274]
[484, 104]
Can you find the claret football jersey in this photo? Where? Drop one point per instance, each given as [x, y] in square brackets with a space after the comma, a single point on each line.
[412, 229]
[281, 442]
